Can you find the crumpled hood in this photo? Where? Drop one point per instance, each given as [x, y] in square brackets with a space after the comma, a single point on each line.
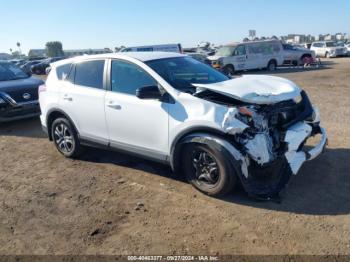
[256, 89]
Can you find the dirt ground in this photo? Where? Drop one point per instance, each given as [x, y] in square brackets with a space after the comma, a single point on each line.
[109, 203]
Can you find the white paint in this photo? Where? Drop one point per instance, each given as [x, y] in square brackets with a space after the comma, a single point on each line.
[231, 124]
[295, 136]
[259, 148]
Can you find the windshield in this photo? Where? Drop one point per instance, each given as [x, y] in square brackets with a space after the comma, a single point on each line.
[182, 72]
[330, 44]
[225, 51]
[9, 71]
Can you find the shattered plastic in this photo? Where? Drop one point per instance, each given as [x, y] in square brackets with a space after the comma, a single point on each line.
[259, 148]
[231, 124]
[295, 136]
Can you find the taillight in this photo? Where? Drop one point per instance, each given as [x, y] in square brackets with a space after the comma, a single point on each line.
[42, 88]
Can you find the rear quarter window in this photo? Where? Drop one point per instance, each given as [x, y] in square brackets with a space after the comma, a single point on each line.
[89, 74]
[63, 71]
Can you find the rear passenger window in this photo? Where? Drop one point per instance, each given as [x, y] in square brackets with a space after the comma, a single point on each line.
[90, 74]
[63, 71]
[127, 77]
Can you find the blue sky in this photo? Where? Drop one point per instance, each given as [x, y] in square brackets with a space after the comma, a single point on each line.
[110, 23]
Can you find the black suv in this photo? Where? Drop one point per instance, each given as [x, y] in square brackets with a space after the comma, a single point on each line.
[18, 93]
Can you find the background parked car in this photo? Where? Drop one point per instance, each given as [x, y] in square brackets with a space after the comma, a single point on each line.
[18, 93]
[328, 49]
[40, 69]
[248, 55]
[348, 48]
[200, 57]
[27, 66]
[295, 54]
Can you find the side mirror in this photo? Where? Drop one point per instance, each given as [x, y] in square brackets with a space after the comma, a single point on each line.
[149, 92]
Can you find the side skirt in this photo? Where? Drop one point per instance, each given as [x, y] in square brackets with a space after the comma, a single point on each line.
[126, 149]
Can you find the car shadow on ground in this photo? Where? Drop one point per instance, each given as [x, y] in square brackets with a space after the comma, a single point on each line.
[24, 128]
[97, 155]
[321, 188]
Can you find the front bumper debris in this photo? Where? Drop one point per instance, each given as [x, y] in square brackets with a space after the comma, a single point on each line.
[296, 136]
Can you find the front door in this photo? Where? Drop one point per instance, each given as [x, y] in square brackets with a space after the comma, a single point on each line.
[137, 125]
[240, 58]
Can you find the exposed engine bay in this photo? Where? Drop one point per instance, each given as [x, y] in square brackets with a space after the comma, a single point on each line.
[272, 139]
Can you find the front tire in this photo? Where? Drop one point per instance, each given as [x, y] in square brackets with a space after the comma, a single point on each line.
[65, 138]
[229, 70]
[208, 169]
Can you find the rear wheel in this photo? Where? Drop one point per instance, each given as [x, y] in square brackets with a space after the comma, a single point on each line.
[229, 70]
[272, 65]
[327, 55]
[208, 169]
[65, 138]
[305, 59]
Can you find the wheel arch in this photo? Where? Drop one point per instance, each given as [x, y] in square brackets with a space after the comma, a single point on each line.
[305, 55]
[53, 114]
[273, 60]
[203, 135]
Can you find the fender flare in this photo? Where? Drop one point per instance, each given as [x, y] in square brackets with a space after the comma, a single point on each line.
[214, 140]
[60, 111]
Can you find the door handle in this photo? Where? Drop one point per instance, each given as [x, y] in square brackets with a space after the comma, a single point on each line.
[68, 98]
[114, 106]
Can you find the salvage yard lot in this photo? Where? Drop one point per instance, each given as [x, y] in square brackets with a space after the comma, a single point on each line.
[110, 203]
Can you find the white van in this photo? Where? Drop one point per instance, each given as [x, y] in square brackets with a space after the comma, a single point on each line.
[249, 55]
[175, 48]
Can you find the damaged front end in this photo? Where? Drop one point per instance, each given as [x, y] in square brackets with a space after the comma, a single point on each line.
[273, 141]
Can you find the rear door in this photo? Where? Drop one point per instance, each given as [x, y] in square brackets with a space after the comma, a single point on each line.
[82, 98]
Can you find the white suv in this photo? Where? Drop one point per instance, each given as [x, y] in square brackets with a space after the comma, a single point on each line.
[171, 108]
[328, 49]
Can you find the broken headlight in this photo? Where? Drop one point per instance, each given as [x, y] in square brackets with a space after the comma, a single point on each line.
[315, 117]
[298, 99]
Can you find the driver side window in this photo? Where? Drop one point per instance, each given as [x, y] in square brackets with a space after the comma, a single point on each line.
[127, 77]
[240, 50]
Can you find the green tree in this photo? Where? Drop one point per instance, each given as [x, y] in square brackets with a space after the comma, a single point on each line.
[54, 49]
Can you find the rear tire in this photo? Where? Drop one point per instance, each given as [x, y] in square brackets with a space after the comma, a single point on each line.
[272, 65]
[208, 169]
[65, 138]
[304, 58]
[327, 55]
